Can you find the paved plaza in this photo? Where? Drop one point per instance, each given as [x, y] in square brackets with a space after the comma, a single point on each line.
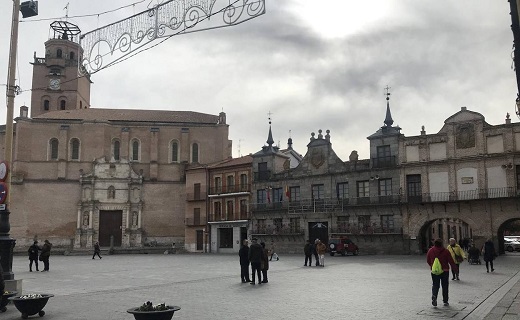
[207, 286]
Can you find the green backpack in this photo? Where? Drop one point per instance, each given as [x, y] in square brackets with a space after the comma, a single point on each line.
[437, 267]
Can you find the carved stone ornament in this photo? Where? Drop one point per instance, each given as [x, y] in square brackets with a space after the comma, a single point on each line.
[317, 158]
[465, 136]
[287, 164]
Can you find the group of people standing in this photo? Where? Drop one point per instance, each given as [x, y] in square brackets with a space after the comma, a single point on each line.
[452, 256]
[258, 256]
[39, 253]
[318, 249]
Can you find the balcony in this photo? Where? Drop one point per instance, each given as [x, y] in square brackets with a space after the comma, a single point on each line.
[355, 229]
[262, 175]
[384, 162]
[201, 196]
[246, 188]
[477, 194]
[223, 218]
[323, 205]
[192, 222]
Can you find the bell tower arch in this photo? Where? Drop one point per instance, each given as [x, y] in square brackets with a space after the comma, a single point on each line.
[57, 84]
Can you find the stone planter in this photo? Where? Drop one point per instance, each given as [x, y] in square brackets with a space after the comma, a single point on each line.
[31, 306]
[154, 315]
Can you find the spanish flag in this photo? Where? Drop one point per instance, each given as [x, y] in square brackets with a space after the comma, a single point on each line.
[287, 192]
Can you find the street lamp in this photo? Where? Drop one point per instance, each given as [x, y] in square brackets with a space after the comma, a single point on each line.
[29, 9]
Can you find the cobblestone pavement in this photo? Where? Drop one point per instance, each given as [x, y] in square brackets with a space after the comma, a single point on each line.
[208, 287]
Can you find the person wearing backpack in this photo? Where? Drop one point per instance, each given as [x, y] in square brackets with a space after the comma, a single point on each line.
[440, 260]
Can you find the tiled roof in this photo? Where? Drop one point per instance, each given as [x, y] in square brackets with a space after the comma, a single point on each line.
[137, 115]
[233, 162]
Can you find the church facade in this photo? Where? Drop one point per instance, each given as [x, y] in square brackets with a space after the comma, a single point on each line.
[82, 174]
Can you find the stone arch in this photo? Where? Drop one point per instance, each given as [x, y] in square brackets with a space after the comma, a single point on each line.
[500, 234]
[444, 228]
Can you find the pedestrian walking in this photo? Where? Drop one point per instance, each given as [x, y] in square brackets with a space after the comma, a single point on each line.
[255, 258]
[458, 256]
[273, 253]
[307, 250]
[315, 252]
[46, 253]
[489, 253]
[97, 250]
[265, 263]
[33, 255]
[243, 254]
[321, 248]
[446, 260]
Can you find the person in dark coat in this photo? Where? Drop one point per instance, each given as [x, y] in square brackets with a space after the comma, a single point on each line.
[307, 250]
[243, 253]
[97, 250]
[265, 263]
[489, 253]
[446, 260]
[46, 253]
[2, 283]
[255, 258]
[315, 252]
[33, 255]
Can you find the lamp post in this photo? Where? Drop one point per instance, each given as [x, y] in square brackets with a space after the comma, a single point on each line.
[29, 8]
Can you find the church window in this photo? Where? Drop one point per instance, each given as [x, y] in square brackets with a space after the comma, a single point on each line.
[195, 153]
[116, 148]
[59, 53]
[135, 150]
[175, 151]
[74, 149]
[53, 146]
[71, 55]
[62, 104]
[46, 104]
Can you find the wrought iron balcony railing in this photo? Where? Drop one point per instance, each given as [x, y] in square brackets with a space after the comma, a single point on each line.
[278, 231]
[356, 229]
[230, 189]
[384, 162]
[220, 217]
[491, 193]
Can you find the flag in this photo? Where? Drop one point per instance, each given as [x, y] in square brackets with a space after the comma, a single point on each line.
[287, 192]
[268, 196]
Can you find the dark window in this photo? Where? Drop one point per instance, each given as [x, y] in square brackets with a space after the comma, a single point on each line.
[62, 104]
[59, 53]
[54, 149]
[196, 191]
[243, 182]
[384, 157]
[229, 210]
[342, 190]
[218, 185]
[71, 56]
[440, 228]
[46, 105]
[413, 187]
[117, 149]
[261, 195]
[383, 152]
[363, 189]
[364, 222]
[317, 191]
[230, 183]
[263, 173]
[277, 195]
[385, 187]
[387, 223]
[175, 151]
[243, 209]
[135, 150]
[518, 177]
[74, 149]
[226, 238]
[81, 104]
[195, 153]
[295, 193]
[217, 210]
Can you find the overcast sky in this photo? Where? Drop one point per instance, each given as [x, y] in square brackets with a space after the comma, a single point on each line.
[313, 64]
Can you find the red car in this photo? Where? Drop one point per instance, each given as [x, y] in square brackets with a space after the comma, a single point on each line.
[343, 246]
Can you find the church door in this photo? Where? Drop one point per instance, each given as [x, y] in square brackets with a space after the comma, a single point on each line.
[110, 224]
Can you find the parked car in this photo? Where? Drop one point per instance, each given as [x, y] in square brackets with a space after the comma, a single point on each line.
[342, 246]
[512, 246]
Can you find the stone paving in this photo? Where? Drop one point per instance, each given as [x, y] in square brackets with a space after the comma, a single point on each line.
[207, 286]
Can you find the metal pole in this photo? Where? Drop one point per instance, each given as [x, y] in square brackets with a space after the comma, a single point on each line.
[7, 243]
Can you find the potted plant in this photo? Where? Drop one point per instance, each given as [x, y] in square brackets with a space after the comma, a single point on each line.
[31, 304]
[149, 311]
[4, 301]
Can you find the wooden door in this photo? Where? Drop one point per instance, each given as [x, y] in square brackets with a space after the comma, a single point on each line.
[200, 239]
[110, 224]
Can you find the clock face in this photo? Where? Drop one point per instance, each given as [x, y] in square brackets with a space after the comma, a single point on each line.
[54, 84]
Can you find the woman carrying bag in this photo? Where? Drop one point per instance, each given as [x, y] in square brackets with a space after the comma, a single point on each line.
[458, 256]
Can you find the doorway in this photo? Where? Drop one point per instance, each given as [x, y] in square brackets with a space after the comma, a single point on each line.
[200, 240]
[110, 224]
[319, 230]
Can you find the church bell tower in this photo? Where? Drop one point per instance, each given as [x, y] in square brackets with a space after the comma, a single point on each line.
[59, 81]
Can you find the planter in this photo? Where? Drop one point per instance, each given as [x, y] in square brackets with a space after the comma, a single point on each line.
[31, 306]
[154, 315]
[4, 301]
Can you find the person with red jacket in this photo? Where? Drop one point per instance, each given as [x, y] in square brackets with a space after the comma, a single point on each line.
[446, 260]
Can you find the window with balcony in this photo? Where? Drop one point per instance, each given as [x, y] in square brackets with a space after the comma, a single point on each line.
[413, 188]
[342, 192]
[217, 210]
[218, 184]
[384, 157]
[243, 209]
[263, 173]
[295, 194]
[261, 198]
[230, 184]
[243, 182]
[385, 190]
[277, 195]
[363, 191]
[317, 191]
[229, 210]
